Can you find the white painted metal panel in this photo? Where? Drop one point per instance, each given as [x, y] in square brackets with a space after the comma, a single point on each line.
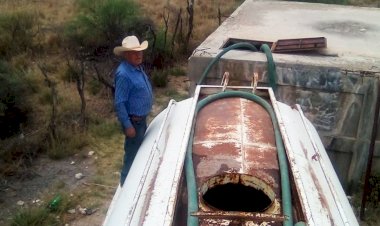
[138, 202]
[164, 189]
[123, 203]
[322, 197]
[335, 186]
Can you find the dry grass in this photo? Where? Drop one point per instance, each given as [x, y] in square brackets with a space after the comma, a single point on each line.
[367, 3]
[205, 14]
[51, 12]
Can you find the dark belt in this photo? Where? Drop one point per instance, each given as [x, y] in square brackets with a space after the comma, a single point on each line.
[136, 118]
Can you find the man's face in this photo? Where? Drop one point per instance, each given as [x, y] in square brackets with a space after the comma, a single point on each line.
[134, 57]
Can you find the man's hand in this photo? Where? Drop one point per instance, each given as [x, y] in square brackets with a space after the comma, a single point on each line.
[130, 132]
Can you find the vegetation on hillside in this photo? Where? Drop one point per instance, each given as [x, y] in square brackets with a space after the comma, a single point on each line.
[78, 53]
[56, 84]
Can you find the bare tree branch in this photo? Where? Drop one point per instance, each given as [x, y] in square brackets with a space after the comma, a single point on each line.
[53, 119]
[175, 30]
[166, 20]
[190, 11]
[103, 80]
[78, 75]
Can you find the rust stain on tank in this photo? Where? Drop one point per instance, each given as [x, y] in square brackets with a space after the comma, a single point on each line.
[321, 196]
[235, 135]
[234, 132]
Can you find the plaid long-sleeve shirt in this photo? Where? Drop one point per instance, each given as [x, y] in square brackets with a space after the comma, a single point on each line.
[133, 93]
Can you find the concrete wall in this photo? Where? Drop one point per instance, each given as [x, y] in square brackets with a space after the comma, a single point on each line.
[339, 102]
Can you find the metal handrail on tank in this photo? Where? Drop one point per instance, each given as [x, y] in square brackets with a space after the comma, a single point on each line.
[284, 172]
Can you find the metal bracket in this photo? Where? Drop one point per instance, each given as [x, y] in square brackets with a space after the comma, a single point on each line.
[255, 79]
[225, 80]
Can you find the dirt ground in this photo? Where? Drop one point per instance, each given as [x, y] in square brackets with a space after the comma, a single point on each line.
[47, 178]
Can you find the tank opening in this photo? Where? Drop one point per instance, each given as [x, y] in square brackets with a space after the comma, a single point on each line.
[237, 197]
[255, 43]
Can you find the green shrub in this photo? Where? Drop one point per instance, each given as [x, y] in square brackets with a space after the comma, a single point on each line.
[45, 97]
[162, 43]
[45, 215]
[34, 217]
[160, 55]
[374, 194]
[174, 94]
[18, 152]
[177, 71]
[94, 86]
[70, 137]
[159, 78]
[66, 144]
[70, 74]
[101, 24]
[18, 149]
[14, 92]
[105, 129]
[21, 61]
[17, 31]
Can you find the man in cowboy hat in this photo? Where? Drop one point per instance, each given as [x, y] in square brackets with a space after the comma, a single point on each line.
[133, 98]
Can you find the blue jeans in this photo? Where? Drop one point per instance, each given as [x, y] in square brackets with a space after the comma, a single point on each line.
[131, 146]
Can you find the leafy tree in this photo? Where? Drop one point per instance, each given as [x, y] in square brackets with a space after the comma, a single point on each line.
[101, 24]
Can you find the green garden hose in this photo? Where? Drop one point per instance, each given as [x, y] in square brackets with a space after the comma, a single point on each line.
[192, 195]
[239, 45]
[265, 48]
[271, 67]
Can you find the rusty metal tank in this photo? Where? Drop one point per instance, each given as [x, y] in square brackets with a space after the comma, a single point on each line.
[236, 164]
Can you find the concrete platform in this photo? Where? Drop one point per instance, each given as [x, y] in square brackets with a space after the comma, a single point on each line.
[336, 87]
[353, 33]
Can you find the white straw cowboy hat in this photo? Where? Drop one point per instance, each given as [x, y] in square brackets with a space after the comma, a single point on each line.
[130, 43]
